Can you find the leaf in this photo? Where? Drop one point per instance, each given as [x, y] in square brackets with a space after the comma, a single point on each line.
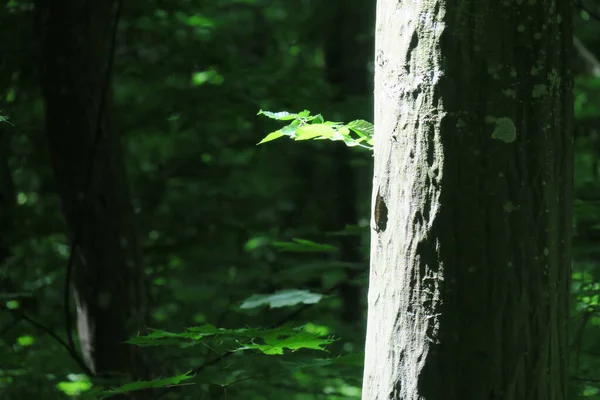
[271, 136]
[282, 298]
[343, 131]
[140, 385]
[12, 304]
[196, 334]
[74, 389]
[313, 131]
[207, 329]
[306, 127]
[290, 129]
[302, 340]
[5, 119]
[280, 116]
[25, 340]
[318, 119]
[362, 128]
[304, 246]
[268, 341]
[161, 338]
[256, 243]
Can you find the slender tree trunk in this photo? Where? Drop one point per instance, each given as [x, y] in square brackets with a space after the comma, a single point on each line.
[470, 268]
[7, 206]
[347, 49]
[75, 43]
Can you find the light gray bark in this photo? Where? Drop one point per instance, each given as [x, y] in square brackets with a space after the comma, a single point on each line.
[470, 266]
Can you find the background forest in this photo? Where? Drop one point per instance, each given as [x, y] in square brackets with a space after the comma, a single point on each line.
[272, 237]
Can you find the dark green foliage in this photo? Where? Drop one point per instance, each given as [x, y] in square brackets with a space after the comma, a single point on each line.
[217, 216]
[220, 218]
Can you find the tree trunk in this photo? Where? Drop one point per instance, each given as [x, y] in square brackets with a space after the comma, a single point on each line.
[75, 43]
[7, 208]
[348, 46]
[470, 268]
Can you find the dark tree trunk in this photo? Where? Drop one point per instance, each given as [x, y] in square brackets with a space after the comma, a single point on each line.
[470, 269]
[7, 200]
[75, 42]
[7, 210]
[348, 47]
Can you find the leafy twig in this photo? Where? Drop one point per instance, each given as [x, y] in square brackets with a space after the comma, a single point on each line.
[304, 126]
[229, 353]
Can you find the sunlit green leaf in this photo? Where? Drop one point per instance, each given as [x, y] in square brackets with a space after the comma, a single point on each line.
[277, 345]
[26, 340]
[74, 388]
[362, 128]
[12, 304]
[271, 136]
[280, 116]
[314, 131]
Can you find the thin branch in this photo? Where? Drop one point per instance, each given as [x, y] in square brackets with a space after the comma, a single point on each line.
[67, 295]
[247, 378]
[587, 380]
[588, 57]
[71, 350]
[8, 327]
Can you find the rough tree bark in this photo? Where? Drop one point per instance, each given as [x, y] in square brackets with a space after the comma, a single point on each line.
[470, 268]
[75, 43]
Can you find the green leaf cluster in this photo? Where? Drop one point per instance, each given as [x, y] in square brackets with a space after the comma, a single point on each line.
[304, 126]
[268, 341]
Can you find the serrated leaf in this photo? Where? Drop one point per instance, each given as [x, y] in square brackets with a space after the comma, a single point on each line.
[282, 298]
[272, 136]
[318, 119]
[269, 341]
[312, 131]
[141, 385]
[161, 338]
[290, 129]
[362, 128]
[197, 334]
[280, 116]
[302, 340]
[343, 131]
